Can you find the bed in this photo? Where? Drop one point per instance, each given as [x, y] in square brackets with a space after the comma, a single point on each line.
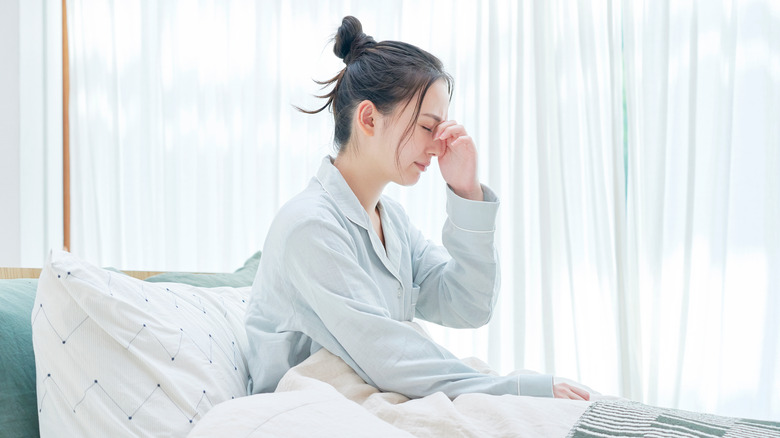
[161, 354]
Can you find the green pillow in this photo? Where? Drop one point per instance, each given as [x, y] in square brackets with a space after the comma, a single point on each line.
[18, 403]
[244, 276]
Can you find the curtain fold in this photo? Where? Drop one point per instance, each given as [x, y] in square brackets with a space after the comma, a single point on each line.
[702, 202]
[632, 145]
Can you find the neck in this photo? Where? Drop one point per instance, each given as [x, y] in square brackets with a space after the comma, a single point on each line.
[365, 181]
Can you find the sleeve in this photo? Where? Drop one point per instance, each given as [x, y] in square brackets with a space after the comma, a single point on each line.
[459, 282]
[352, 322]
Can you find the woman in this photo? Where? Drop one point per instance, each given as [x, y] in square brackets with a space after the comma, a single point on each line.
[342, 267]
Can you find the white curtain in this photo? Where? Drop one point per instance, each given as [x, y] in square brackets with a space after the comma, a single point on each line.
[40, 131]
[185, 144]
[538, 89]
[703, 97]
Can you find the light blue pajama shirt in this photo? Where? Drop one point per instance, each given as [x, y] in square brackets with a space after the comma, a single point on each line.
[326, 281]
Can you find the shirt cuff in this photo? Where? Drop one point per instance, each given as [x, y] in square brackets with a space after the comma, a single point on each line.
[535, 385]
[473, 215]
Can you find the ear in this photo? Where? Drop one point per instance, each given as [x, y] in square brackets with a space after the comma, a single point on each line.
[367, 116]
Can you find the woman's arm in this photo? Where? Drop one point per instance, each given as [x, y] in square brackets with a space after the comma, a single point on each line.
[345, 314]
[459, 282]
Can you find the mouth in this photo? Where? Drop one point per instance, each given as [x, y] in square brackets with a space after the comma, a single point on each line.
[422, 167]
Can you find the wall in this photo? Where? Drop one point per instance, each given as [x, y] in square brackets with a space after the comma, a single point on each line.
[10, 224]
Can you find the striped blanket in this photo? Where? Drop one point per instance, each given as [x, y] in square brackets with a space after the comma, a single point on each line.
[632, 419]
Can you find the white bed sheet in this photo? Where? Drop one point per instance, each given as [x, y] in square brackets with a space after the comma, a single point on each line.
[323, 396]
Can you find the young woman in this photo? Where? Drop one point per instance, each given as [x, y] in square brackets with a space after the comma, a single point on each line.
[344, 269]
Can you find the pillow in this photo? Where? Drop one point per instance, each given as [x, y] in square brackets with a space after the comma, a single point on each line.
[116, 356]
[18, 405]
[244, 276]
[18, 415]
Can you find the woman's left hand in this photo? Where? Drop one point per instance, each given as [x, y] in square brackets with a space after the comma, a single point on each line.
[458, 160]
[564, 390]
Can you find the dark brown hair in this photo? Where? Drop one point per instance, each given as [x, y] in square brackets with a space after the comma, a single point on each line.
[387, 73]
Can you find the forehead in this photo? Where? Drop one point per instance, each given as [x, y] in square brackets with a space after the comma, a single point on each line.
[436, 101]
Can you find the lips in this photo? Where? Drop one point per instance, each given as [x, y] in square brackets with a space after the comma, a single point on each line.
[422, 167]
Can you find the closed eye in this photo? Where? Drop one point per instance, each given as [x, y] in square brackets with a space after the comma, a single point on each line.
[426, 128]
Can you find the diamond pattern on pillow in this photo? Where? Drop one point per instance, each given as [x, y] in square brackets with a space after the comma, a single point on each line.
[116, 356]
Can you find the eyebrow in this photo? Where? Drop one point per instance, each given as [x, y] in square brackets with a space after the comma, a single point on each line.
[434, 117]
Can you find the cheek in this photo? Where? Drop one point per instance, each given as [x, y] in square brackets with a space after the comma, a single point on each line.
[412, 148]
[422, 139]
[411, 151]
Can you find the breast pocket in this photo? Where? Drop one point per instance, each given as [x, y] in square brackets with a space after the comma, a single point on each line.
[415, 296]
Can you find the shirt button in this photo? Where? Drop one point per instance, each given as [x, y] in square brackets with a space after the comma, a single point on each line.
[399, 291]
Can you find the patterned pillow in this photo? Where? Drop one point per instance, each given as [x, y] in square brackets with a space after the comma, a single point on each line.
[116, 356]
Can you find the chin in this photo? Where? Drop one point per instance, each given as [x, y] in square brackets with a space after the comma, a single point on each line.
[409, 179]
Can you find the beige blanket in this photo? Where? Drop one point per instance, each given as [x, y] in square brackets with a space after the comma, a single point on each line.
[323, 396]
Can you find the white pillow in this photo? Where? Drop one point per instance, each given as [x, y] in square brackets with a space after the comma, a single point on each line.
[116, 356]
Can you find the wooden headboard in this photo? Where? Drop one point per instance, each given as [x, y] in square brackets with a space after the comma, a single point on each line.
[11, 273]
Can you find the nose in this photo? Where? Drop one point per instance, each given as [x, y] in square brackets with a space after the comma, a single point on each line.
[436, 147]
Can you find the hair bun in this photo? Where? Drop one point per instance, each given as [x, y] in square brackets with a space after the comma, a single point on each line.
[350, 40]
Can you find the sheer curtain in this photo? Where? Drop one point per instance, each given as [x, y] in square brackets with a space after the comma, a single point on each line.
[185, 144]
[543, 100]
[703, 95]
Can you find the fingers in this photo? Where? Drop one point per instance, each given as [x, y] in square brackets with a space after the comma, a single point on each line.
[581, 392]
[449, 129]
[441, 127]
[461, 139]
[458, 146]
[451, 134]
[566, 391]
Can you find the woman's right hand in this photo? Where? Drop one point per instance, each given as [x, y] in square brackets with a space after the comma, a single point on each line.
[458, 160]
[566, 391]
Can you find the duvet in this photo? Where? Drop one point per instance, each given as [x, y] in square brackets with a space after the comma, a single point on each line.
[324, 397]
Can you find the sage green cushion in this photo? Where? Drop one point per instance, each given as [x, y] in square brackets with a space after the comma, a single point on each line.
[18, 403]
[244, 276]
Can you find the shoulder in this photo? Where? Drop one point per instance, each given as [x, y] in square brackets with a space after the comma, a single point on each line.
[312, 206]
[309, 219]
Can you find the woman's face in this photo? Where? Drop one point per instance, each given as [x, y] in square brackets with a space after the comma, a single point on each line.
[416, 152]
